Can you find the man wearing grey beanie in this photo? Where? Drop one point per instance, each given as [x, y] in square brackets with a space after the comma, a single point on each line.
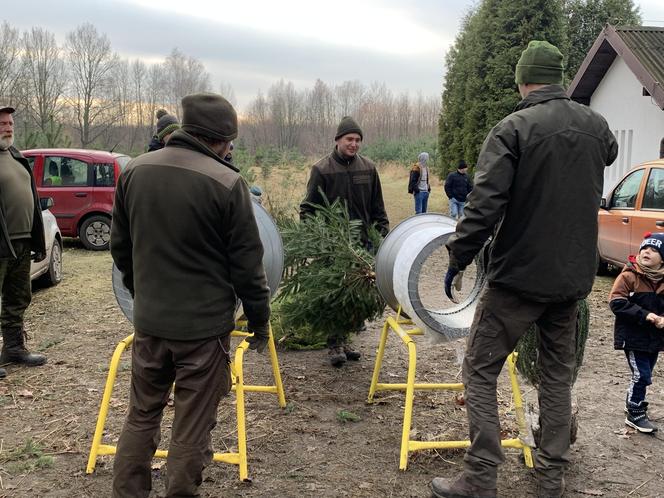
[538, 185]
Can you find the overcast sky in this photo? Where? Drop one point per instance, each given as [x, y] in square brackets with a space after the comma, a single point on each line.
[251, 44]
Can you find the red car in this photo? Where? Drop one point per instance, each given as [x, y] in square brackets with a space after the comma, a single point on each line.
[82, 185]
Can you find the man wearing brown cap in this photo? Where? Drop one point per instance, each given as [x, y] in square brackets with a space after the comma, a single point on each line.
[186, 241]
[21, 233]
[538, 185]
[345, 174]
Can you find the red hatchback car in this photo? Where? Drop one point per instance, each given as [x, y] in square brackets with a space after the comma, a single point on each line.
[82, 185]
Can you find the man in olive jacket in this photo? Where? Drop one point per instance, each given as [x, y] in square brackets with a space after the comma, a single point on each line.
[345, 174]
[538, 185]
[21, 240]
[185, 238]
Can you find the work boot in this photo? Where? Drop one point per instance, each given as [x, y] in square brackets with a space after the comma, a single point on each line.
[461, 488]
[350, 353]
[551, 492]
[14, 350]
[337, 356]
[637, 418]
[3, 373]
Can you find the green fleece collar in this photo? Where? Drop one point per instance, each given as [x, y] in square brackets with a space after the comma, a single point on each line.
[181, 138]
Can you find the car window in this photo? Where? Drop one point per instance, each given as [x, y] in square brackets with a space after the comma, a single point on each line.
[624, 196]
[64, 172]
[104, 175]
[31, 162]
[653, 197]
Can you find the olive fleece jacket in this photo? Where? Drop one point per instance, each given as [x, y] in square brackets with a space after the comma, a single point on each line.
[354, 180]
[186, 240]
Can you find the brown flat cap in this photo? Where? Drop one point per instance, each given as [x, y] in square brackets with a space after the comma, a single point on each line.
[210, 115]
[7, 109]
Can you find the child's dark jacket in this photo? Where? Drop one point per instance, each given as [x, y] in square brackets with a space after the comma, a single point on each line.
[632, 297]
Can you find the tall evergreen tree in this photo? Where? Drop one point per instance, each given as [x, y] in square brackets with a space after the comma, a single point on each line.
[479, 87]
[585, 19]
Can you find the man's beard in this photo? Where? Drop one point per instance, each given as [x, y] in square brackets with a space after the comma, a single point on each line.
[6, 142]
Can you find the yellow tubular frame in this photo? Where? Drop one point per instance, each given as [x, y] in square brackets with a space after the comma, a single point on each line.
[240, 458]
[408, 445]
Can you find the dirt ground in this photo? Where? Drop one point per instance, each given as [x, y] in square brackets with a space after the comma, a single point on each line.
[305, 449]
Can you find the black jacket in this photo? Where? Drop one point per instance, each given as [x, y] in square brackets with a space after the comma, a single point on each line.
[37, 240]
[538, 185]
[186, 240]
[356, 181]
[414, 180]
[458, 186]
[155, 144]
[632, 297]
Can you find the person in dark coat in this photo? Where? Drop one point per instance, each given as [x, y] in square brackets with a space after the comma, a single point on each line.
[345, 174]
[541, 261]
[418, 183]
[21, 240]
[185, 238]
[457, 188]
[166, 124]
[637, 300]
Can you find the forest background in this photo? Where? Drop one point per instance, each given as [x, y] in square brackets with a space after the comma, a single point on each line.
[81, 93]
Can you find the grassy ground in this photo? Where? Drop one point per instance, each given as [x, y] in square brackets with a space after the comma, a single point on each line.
[284, 189]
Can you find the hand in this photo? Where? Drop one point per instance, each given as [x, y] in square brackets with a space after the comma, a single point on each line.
[656, 320]
[449, 279]
[258, 341]
[38, 256]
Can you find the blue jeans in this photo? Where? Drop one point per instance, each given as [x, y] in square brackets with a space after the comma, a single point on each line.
[641, 364]
[456, 208]
[421, 201]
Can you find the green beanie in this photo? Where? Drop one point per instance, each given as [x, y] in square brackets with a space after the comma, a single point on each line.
[210, 115]
[346, 126]
[541, 62]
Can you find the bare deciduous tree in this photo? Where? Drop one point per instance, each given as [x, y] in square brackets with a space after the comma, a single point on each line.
[10, 62]
[91, 66]
[184, 75]
[44, 81]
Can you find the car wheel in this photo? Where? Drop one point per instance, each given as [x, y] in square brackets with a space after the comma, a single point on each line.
[95, 233]
[54, 274]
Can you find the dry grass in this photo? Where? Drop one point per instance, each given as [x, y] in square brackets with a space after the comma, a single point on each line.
[285, 188]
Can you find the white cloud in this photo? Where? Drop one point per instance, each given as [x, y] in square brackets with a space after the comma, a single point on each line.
[367, 25]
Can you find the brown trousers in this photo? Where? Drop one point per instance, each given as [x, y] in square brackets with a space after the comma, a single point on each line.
[201, 372]
[502, 317]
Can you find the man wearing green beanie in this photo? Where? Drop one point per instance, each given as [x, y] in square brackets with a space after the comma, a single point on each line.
[185, 238]
[345, 174]
[538, 185]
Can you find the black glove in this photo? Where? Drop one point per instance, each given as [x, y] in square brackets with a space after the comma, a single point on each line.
[449, 280]
[258, 341]
[37, 256]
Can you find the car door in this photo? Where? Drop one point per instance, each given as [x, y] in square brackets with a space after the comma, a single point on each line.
[650, 216]
[615, 223]
[69, 181]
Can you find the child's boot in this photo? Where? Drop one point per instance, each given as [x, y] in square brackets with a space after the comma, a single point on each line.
[637, 418]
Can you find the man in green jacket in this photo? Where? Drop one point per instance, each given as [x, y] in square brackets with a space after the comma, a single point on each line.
[345, 174]
[538, 185]
[21, 240]
[185, 238]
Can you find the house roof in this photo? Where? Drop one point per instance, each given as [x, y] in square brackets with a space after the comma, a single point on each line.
[642, 49]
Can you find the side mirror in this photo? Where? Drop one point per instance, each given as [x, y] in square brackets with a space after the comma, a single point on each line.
[602, 203]
[46, 203]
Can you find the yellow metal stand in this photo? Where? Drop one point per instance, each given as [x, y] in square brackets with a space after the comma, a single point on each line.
[239, 458]
[408, 445]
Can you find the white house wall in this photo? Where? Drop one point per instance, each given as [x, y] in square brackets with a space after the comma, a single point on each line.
[636, 120]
